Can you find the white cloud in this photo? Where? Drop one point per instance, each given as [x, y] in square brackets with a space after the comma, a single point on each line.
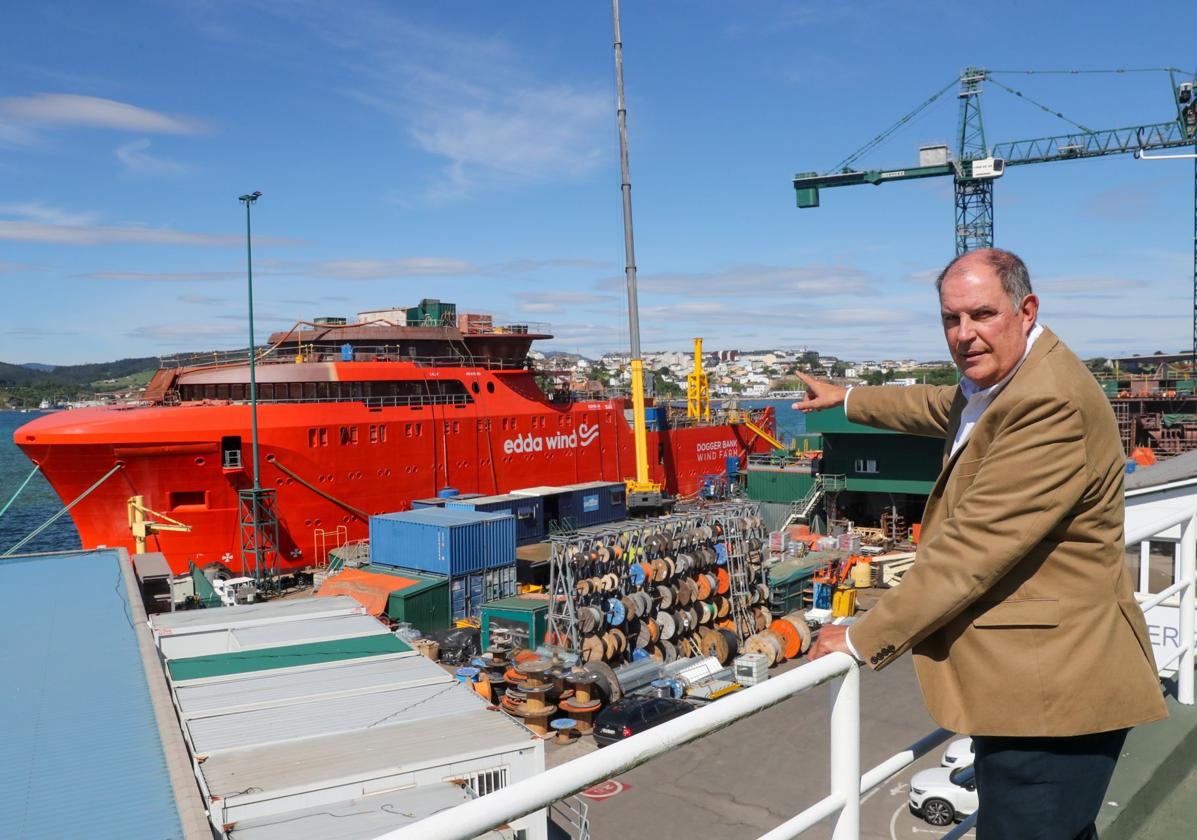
[469, 101]
[26, 231]
[37, 212]
[386, 269]
[72, 109]
[137, 160]
[806, 280]
[158, 276]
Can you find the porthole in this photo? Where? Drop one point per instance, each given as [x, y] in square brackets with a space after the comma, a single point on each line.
[490, 387]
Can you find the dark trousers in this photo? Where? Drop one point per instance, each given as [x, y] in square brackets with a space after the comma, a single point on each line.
[1043, 788]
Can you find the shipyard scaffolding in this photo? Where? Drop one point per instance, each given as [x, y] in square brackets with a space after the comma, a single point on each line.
[259, 537]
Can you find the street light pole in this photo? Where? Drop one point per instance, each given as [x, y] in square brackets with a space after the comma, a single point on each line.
[248, 200]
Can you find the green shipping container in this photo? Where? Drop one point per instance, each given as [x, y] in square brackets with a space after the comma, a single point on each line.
[525, 616]
[424, 605]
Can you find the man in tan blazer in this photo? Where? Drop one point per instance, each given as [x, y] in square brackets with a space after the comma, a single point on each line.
[1019, 608]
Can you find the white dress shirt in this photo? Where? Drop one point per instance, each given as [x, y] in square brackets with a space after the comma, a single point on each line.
[978, 399]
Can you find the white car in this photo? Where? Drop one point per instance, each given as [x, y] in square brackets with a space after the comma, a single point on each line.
[958, 754]
[941, 796]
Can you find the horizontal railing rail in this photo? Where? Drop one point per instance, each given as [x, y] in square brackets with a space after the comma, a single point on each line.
[332, 353]
[847, 783]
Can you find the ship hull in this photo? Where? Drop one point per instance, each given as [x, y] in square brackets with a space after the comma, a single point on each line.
[332, 465]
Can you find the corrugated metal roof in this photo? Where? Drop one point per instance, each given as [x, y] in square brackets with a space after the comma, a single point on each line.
[326, 716]
[80, 755]
[277, 687]
[260, 773]
[363, 818]
[591, 485]
[247, 615]
[270, 635]
[289, 656]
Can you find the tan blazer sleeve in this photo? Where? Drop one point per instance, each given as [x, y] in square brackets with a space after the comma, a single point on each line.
[914, 410]
[1033, 474]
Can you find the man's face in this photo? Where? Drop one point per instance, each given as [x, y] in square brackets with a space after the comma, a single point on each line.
[985, 334]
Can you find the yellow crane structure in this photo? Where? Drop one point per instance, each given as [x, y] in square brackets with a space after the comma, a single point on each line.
[698, 388]
[142, 528]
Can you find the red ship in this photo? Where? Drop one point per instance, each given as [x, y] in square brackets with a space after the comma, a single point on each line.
[353, 420]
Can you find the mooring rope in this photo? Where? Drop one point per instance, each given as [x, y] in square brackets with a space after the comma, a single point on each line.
[362, 515]
[66, 509]
[28, 478]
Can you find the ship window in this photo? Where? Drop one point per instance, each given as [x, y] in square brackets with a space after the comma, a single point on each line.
[474, 387]
[407, 429]
[866, 465]
[456, 427]
[419, 430]
[309, 390]
[313, 438]
[373, 434]
[324, 437]
[660, 453]
[490, 387]
[222, 392]
[322, 390]
[230, 452]
[265, 391]
[188, 499]
[349, 436]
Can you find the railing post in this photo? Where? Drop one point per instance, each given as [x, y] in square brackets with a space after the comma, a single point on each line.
[1188, 602]
[845, 753]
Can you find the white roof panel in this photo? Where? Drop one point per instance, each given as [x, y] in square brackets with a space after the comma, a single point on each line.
[225, 640]
[248, 615]
[262, 773]
[363, 818]
[317, 716]
[272, 688]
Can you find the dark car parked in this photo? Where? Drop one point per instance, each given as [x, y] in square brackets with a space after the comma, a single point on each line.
[635, 714]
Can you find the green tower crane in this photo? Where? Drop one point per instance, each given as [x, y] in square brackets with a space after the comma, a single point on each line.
[976, 165]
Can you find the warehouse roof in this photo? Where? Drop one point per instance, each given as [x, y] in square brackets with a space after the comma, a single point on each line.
[324, 680]
[249, 615]
[1181, 468]
[272, 772]
[363, 818]
[79, 724]
[288, 656]
[318, 629]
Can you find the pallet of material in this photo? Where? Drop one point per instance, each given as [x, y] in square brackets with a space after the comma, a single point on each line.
[888, 569]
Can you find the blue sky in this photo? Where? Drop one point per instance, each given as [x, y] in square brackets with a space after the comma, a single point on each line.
[467, 151]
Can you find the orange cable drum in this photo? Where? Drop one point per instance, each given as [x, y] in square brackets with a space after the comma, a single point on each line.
[704, 587]
[789, 634]
[724, 581]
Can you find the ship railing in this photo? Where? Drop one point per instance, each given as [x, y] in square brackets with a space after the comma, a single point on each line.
[1177, 521]
[524, 328]
[334, 353]
[409, 400]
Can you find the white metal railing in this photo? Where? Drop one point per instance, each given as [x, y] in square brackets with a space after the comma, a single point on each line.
[1182, 592]
[847, 782]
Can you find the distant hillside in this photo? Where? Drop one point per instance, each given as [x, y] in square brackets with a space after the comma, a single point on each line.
[24, 386]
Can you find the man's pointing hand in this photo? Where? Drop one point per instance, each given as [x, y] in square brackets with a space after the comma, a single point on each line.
[819, 395]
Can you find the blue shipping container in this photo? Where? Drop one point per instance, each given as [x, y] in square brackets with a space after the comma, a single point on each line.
[441, 501]
[594, 502]
[452, 542]
[652, 418]
[468, 593]
[527, 510]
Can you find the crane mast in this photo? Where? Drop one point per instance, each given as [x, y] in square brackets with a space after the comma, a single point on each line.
[642, 490]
